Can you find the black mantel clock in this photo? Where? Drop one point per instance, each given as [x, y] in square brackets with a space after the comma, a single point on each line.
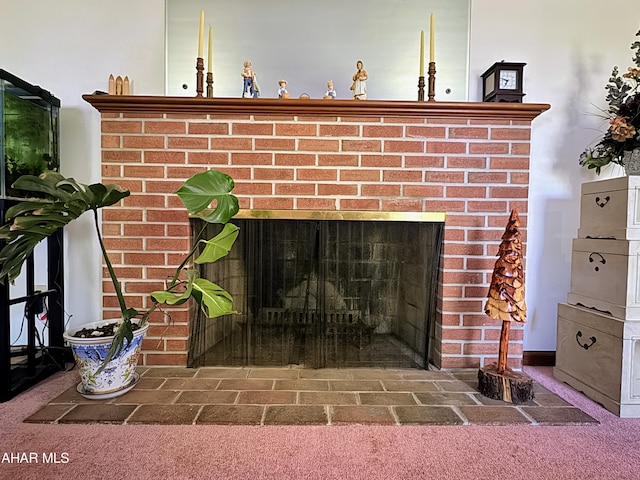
[502, 82]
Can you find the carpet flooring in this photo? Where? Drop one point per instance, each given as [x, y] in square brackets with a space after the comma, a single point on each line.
[298, 396]
[607, 450]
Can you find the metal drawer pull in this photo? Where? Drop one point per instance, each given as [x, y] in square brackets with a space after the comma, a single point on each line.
[602, 260]
[584, 345]
[603, 203]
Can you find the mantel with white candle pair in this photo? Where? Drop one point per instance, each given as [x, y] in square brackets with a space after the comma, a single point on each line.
[432, 64]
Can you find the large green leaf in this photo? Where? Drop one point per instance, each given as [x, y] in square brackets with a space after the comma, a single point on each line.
[177, 292]
[170, 297]
[64, 200]
[218, 246]
[122, 334]
[24, 207]
[48, 183]
[198, 192]
[36, 224]
[213, 300]
[103, 195]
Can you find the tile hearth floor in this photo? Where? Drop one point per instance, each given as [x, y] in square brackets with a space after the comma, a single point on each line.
[298, 396]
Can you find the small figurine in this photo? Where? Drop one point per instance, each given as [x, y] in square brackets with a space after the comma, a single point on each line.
[256, 87]
[359, 85]
[304, 96]
[249, 88]
[282, 91]
[331, 93]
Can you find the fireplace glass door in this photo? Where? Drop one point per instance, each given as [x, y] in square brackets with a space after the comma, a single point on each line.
[323, 293]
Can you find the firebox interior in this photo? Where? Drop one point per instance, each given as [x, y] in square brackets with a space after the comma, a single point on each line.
[320, 292]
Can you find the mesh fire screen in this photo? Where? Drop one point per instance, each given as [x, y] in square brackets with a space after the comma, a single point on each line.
[323, 293]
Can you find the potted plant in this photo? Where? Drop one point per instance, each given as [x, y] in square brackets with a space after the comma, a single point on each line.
[107, 356]
[621, 142]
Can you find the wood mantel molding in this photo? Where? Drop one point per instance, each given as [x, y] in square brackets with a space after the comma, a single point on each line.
[314, 107]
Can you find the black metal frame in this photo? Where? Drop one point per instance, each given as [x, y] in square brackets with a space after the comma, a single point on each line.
[31, 363]
[25, 365]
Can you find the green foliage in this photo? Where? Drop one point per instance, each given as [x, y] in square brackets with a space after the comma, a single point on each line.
[623, 133]
[200, 190]
[636, 46]
[27, 136]
[65, 199]
[219, 246]
[122, 335]
[617, 91]
[212, 300]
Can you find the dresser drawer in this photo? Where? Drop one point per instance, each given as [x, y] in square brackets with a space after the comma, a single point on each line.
[604, 276]
[611, 209]
[600, 355]
[589, 348]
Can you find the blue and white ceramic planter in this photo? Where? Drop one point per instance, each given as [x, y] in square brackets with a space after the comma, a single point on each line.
[89, 354]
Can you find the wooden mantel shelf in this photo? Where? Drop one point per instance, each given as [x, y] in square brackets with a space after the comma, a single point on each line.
[314, 107]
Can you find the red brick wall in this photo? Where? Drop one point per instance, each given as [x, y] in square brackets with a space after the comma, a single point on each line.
[476, 170]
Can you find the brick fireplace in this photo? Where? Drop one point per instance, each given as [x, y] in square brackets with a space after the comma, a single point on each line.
[469, 161]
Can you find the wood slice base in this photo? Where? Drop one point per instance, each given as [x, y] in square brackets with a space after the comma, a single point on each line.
[509, 386]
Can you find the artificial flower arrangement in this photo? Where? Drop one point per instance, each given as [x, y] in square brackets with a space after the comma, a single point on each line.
[623, 134]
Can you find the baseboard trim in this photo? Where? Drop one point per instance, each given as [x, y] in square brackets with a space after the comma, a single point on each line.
[539, 358]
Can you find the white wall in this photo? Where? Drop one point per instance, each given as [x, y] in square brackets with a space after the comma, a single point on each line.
[71, 46]
[324, 42]
[570, 47]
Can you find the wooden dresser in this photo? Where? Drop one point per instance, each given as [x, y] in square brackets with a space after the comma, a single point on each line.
[598, 347]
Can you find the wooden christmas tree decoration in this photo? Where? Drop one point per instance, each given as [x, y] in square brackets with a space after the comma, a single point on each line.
[506, 302]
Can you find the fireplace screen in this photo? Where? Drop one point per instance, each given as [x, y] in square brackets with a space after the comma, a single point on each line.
[323, 293]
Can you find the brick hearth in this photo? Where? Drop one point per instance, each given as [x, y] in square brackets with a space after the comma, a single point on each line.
[468, 160]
